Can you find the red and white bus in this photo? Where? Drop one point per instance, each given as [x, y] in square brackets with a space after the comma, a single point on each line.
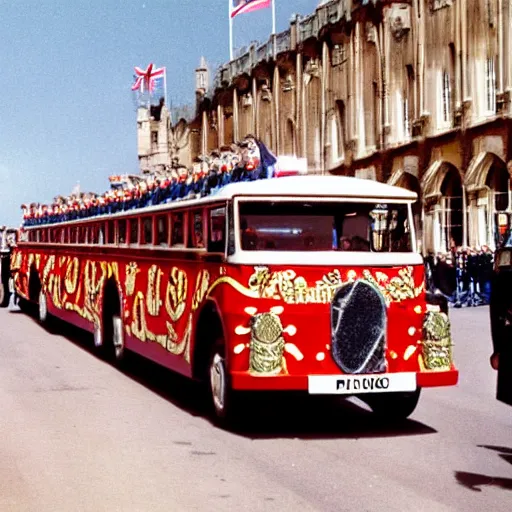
[309, 283]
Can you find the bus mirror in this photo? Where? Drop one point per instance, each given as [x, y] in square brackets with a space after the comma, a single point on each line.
[503, 258]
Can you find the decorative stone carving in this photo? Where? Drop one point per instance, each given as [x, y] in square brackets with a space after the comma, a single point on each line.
[435, 5]
[411, 165]
[313, 68]
[371, 32]
[399, 20]
[266, 94]
[288, 84]
[339, 55]
[247, 100]
[502, 101]
[420, 125]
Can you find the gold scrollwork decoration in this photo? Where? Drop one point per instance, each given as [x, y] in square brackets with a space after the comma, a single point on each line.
[176, 294]
[71, 276]
[153, 300]
[49, 266]
[286, 285]
[56, 291]
[132, 270]
[138, 325]
[202, 282]
[139, 329]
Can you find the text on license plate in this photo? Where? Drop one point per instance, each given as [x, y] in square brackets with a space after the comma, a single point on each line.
[356, 384]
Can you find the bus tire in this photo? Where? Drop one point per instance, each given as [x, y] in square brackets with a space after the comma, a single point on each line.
[98, 336]
[109, 336]
[112, 347]
[222, 395]
[393, 406]
[23, 304]
[4, 295]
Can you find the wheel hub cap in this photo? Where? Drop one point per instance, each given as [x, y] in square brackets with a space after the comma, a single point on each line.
[118, 336]
[218, 381]
[42, 306]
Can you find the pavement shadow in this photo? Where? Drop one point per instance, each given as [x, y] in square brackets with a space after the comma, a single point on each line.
[476, 481]
[273, 415]
[503, 452]
[262, 415]
[302, 416]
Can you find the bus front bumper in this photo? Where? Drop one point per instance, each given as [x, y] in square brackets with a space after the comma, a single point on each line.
[345, 384]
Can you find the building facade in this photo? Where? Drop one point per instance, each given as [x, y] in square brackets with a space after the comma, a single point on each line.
[413, 93]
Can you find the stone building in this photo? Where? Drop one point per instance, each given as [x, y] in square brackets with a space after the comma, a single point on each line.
[413, 93]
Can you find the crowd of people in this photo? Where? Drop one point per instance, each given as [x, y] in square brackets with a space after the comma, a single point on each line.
[463, 275]
[247, 161]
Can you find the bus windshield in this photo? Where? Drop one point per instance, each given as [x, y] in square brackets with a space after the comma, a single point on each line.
[324, 226]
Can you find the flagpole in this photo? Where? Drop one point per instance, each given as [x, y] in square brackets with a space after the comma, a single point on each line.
[230, 32]
[165, 85]
[274, 45]
[273, 17]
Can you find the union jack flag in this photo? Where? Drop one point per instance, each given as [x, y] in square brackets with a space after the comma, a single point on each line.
[241, 6]
[146, 79]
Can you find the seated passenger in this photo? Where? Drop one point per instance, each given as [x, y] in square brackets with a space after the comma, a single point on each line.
[248, 236]
[360, 244]
[345, 244]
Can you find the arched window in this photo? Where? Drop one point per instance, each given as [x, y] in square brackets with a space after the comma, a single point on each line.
[452, 213]
[497, 180]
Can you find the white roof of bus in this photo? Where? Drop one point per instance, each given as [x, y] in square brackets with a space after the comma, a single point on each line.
[316, 186]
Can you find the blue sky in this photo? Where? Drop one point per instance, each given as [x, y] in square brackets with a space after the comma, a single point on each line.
[66, 108]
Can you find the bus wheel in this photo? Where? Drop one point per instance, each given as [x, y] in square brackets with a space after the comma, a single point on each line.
[220, 387]
[393, 406]
[4, 296]
[118, 337]
[98, 336]
[43, 307]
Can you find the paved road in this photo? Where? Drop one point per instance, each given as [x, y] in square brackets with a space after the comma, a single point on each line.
[78, 435]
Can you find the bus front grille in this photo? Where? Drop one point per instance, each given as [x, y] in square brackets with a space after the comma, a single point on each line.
[358, 328]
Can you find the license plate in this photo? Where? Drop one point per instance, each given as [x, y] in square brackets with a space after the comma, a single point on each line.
[358, 384]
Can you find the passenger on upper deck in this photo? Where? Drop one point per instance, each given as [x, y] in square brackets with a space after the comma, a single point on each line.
[243, 164]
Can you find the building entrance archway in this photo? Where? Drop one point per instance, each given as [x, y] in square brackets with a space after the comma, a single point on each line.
[443, 208]
[487, 185]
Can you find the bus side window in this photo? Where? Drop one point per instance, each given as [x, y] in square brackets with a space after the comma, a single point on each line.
[134, 231]
[121, 231]
[147, 230]
[82, 235]
[111, 232]
[93, 232]
[217, 230]
[162, 231]
[178, 229]
[101, 236]
[196, 231]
